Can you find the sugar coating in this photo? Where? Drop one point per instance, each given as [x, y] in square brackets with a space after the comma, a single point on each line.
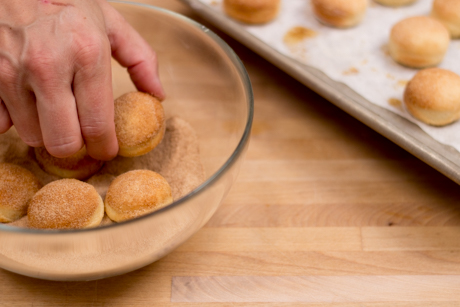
[177, 159]
[136, 193]
[138, 118]
[17, 186]
[63, 204]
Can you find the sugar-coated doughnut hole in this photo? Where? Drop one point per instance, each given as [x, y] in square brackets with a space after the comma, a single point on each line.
[65, 204]
[79, 166]
[139, 123]
[17, 186]
[136, 193]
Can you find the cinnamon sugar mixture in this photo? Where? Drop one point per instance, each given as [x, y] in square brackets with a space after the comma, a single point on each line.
[176, 159]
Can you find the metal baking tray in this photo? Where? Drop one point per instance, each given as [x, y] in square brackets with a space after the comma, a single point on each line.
[399, 130]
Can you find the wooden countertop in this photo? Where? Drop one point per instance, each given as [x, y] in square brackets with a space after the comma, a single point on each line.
[325, 212]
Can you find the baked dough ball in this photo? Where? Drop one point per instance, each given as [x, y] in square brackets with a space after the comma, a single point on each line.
[339, 13]
[395, 2]
[252, 11]
[65, 204]
[433, 96]
[139, 123]
[79, 165]
[17, 186]
[448, 12]
[136, 193]
[418, 42]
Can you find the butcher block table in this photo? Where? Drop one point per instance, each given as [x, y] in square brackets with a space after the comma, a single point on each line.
[325, 212]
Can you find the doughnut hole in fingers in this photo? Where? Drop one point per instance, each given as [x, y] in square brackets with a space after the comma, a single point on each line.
[139, 123]
[80, 165]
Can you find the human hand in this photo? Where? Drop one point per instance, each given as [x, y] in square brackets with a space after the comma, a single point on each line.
[55, 72]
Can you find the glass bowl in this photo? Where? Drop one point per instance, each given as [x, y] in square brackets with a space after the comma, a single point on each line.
[206, 85]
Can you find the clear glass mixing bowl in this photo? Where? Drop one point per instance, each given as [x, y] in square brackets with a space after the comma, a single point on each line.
[207, 86]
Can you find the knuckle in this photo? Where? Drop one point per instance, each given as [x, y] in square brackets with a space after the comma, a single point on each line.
[94, 131]
[89, 52]
[63, 147]
[37, 60]
[26, 123]
[33, 141]
[29, 131]
[40, 66]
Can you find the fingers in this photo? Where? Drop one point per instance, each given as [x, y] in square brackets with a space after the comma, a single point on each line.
[93, 93]
[58, 117]
[133, 52]
[19, 108]
[60, 95]
[18, 104]
[56, 88]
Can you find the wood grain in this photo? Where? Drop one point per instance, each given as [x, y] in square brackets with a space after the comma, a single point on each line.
[278, 239]
[319, 170]
[309, 263]
[315, 289]
[411, 238]
[338, 215]
[306, 192]
[325, 213]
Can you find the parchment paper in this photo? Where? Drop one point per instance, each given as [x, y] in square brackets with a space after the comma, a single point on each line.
[357, 56]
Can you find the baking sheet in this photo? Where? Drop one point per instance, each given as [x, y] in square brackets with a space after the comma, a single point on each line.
[352, 69]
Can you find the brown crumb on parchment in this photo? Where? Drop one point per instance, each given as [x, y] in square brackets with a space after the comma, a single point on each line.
[391, 77]
[402, 82]
[214, 2]
[394, 102]
[298, 34]
[351, 71]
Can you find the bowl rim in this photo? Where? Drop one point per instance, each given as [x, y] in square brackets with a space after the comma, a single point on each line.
[238, 151]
